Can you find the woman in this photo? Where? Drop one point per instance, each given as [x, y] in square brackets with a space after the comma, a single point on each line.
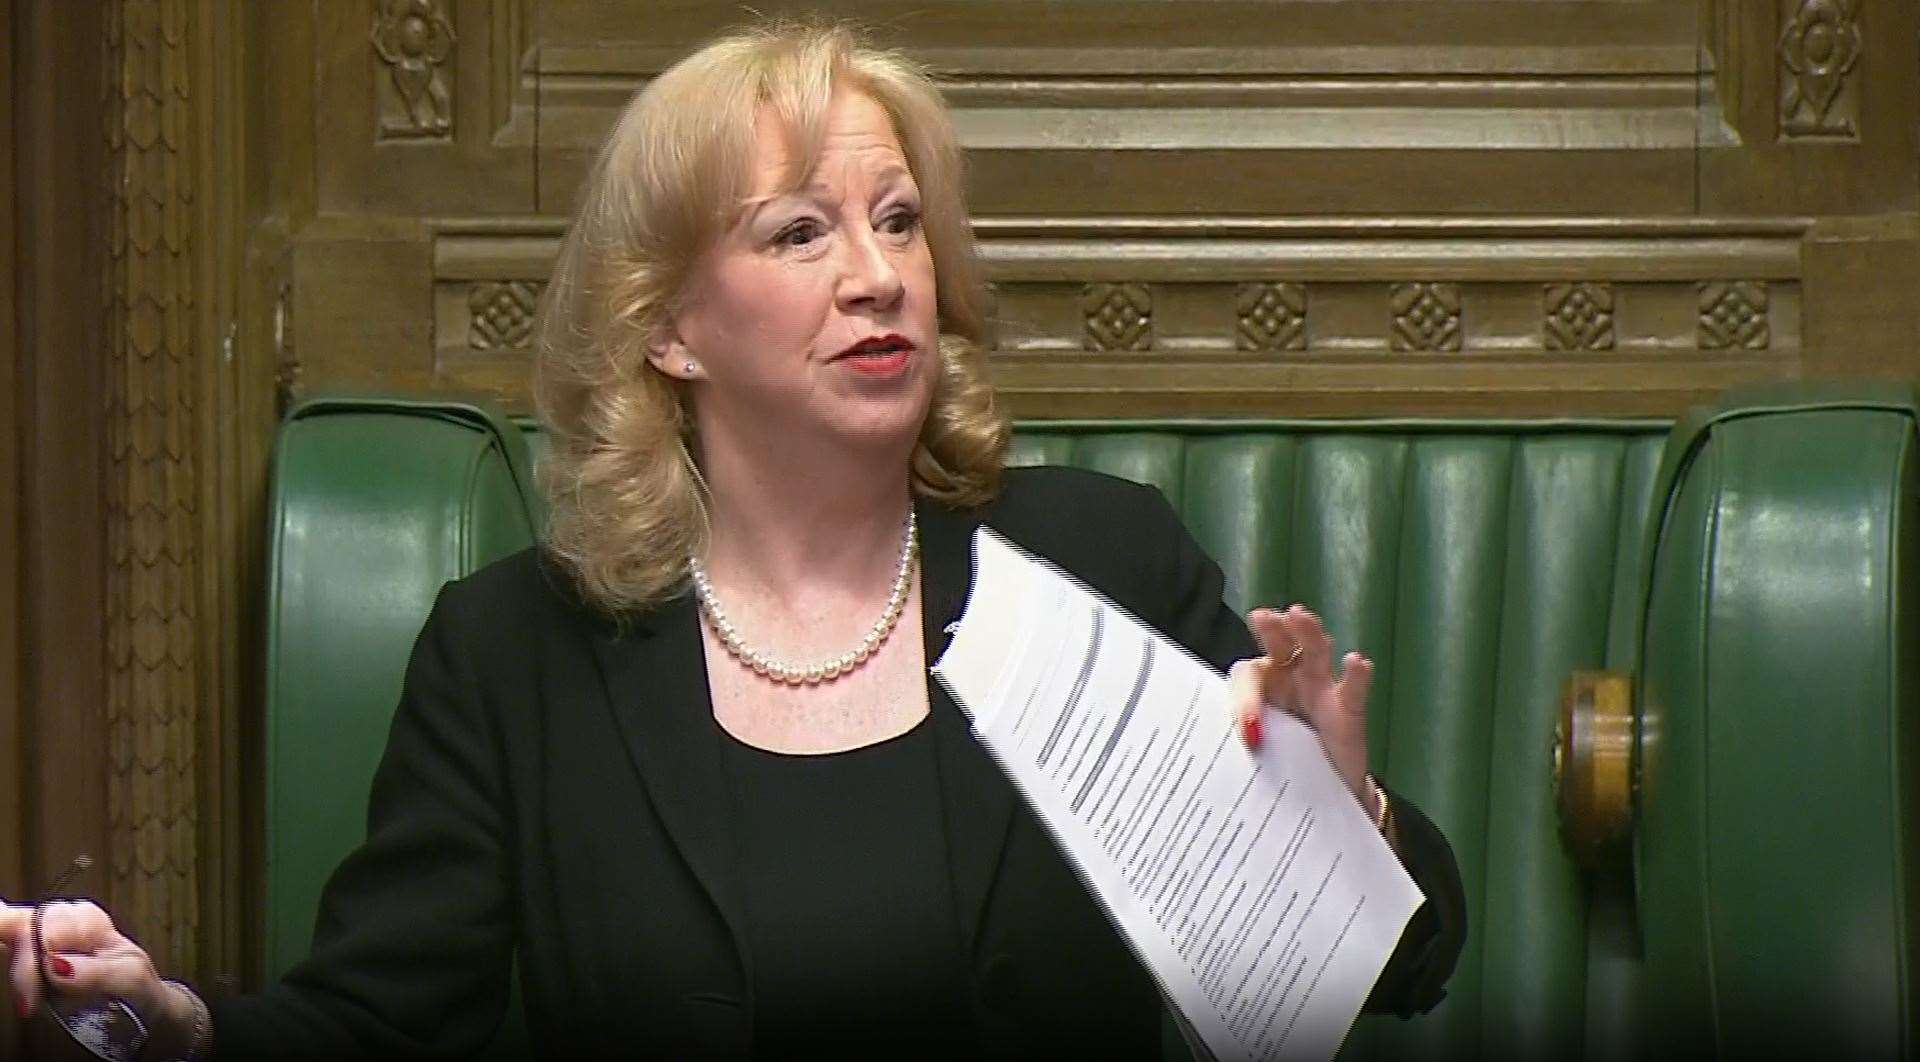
[729, 814]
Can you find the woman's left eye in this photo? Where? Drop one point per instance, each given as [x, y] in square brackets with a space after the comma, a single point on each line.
[900, 222]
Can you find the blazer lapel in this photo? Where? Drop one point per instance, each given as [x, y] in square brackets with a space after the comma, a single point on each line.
[656, 678]
[978, 797]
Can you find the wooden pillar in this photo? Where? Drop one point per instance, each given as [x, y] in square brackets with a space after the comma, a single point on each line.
[12, 747]
[156, 681]
[57, 378]
[177, 534]
[122, 544]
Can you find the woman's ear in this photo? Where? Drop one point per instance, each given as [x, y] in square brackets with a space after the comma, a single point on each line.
[669, 355]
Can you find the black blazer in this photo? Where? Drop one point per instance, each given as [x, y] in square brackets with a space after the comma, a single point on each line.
[552, 785]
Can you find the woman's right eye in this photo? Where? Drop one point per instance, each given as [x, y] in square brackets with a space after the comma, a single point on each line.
[798, 234]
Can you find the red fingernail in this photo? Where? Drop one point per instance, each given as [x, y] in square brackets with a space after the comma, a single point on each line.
[20, 1007]
[1250, 731]
[61, 967]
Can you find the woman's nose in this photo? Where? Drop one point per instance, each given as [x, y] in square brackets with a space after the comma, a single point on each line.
[869, 277]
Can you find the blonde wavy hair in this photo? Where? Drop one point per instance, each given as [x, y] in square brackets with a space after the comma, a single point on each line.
[625, 509]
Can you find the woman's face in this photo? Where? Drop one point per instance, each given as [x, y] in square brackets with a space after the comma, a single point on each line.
[814, 316]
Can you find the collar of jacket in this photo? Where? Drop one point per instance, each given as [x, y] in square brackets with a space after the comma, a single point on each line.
[657, 686]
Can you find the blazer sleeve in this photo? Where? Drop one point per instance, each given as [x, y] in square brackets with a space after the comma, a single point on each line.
[1415, 976]
[414, 939]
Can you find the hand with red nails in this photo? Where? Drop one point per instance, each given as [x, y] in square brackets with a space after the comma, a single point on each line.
[1296, 675]
[89, 958]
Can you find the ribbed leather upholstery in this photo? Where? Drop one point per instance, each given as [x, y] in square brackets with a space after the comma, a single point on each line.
[1780, 730]
[1477, 564]
[376, 504]
[1753, 568]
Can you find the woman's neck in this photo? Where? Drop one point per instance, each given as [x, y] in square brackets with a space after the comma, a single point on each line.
[793, 525]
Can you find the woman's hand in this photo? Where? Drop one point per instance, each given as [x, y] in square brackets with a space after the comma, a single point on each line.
[88, 958]
[1303, 683]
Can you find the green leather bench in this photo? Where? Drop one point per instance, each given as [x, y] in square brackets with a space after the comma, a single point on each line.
[1750, 568]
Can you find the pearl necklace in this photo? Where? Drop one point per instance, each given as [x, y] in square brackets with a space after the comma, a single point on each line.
[825, 670]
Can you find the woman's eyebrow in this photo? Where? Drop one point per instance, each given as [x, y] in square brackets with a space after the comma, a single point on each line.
[816, 191]
[893, 171]
[754, 210]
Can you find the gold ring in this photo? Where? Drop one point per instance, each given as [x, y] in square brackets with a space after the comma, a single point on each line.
[1293, 657]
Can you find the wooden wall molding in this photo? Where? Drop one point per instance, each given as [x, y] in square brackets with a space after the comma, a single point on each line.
[1609, 180]
[1620, 107]
[177, 528]
[1171, 289]
[156, 686]
[511, 89]
[1072, 106]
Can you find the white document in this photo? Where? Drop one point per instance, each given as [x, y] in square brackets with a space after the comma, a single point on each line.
[1251, 884]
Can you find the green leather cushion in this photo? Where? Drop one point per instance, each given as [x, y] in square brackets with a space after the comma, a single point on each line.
[1477, 563]
[376, 504]
[1779, 730]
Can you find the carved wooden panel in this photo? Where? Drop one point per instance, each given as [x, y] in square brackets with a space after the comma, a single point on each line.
[1817, 102]
[1117, 317]
[1735, 315]
[1281, 107]
[1375, 206]
[1277, 316]
[501, 313]
[417, 109]
[1578, 316]
[414, 39]
[1820, 49]
[155, 691]
[1273, 316]
[1426, 316]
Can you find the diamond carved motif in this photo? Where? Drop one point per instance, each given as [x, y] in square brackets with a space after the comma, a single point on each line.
[1819, 49]
[1579, 316]
[1426, 316]
[1733, 315]
[1119, 316]
[502, 314]
[1273, 316]
[415, 40]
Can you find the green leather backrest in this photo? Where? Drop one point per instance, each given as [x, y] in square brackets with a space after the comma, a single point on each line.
[1752, 567]
[1478, 563]
[376, 504]
[1780, 729]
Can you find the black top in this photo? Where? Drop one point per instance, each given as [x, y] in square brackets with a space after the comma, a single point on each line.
[554, 795]
[849, 901]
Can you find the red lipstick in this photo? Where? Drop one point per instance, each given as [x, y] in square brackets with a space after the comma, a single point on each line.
[881, 356]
